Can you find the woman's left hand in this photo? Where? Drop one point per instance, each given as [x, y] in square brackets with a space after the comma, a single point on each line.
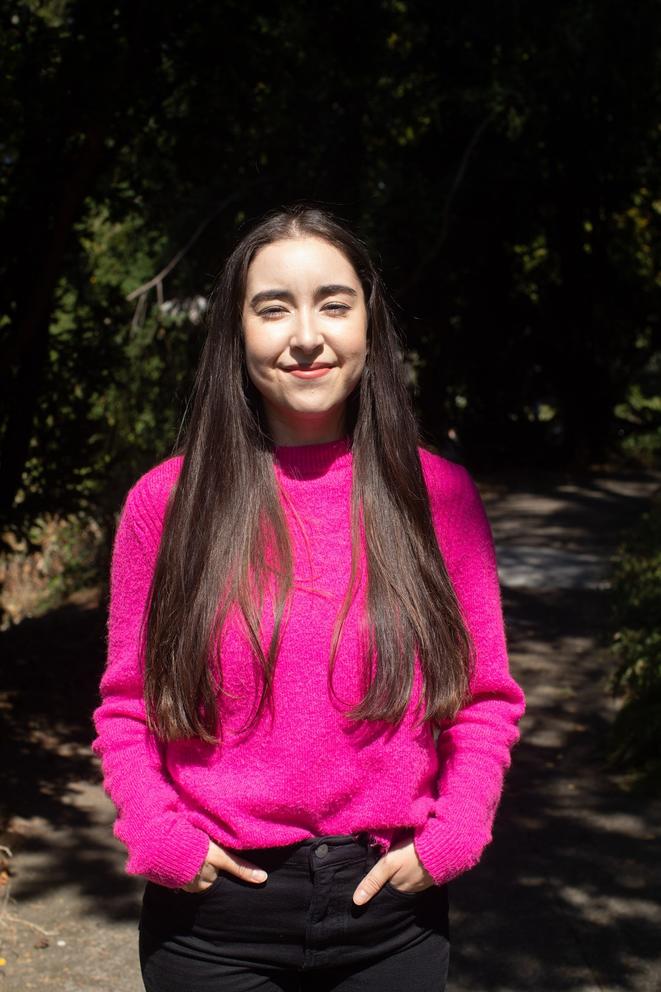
[401, 866]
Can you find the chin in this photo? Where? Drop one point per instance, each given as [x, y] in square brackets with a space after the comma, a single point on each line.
[311, 411]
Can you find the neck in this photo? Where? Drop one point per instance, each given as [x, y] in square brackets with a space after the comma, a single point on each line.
[306, 430]
[309, 461]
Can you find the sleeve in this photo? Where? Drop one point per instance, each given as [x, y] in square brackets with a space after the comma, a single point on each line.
[475, 748]
[163, 846]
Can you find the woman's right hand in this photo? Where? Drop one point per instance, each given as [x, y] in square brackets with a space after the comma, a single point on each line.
[220, 859]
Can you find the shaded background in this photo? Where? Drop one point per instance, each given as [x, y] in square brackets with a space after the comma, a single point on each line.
[501, 161]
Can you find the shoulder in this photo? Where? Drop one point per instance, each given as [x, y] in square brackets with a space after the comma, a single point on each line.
[147, 499]
[457, 509]
[448, 483]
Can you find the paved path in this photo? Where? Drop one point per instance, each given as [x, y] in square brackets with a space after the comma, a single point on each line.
[568, 897]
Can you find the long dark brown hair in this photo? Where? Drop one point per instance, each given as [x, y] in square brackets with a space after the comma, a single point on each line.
[225, 510]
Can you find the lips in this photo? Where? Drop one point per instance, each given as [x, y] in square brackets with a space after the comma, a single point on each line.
[308, 368]
[314, 371]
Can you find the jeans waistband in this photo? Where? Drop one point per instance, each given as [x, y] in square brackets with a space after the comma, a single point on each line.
[314, 852]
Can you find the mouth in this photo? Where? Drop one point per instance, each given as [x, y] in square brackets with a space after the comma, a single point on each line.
[305, 367]
[313, 371]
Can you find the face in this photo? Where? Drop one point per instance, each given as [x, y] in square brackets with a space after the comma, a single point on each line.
[305, 337]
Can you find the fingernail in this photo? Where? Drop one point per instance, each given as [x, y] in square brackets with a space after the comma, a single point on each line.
[360, 897]
[259, 875]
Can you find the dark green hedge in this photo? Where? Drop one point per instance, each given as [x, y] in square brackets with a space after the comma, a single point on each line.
[635, 742]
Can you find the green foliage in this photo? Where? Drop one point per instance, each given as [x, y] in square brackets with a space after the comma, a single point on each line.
[502, 162]
[640, 415]
[636, 613]
[57, 557]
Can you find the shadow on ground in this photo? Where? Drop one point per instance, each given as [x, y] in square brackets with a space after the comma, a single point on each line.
[568, 895]
[51, 806]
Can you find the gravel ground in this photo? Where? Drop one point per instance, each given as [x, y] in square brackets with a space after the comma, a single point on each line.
[568, 895]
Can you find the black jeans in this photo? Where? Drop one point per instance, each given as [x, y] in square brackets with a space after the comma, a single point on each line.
[298, 930]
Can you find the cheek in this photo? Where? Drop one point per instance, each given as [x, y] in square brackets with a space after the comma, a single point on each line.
[357, 346]
[358, 366]
[255, 349]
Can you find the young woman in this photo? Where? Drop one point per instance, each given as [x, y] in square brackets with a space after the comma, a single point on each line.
[307, 711]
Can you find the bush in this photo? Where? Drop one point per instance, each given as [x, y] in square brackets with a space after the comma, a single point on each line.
[59, 556]
[635, 742]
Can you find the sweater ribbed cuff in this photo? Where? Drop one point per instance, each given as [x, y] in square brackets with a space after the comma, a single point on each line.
[168, 853]
[442, 848]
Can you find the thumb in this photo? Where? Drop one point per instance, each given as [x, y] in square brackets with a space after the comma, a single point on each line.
[226, 860]
[375, 879]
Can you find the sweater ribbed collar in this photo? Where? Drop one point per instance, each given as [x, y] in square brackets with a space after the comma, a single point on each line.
[313, 461]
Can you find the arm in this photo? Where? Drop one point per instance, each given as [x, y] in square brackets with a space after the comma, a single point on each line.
[162, 845]
[474, 749]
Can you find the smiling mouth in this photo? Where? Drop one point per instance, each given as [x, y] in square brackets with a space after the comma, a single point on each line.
[313, 371]
[308, 368]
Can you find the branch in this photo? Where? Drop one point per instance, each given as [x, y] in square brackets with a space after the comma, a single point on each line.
[432, 252]
[156, 281]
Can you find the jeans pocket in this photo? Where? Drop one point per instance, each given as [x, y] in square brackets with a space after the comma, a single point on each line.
[399, 893]
[210, 889]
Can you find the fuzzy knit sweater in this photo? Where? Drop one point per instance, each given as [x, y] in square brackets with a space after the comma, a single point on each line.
[309, 771]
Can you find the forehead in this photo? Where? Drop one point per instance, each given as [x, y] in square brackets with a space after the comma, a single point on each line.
[300, 261]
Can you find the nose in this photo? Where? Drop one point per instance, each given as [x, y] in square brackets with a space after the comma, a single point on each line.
[306, 334]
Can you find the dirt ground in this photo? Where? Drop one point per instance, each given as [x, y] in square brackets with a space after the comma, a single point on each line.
[568, 895]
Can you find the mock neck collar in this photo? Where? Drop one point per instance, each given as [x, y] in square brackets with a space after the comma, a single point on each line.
[310, 461]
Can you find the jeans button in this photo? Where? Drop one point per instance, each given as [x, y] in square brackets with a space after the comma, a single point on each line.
[322, 850]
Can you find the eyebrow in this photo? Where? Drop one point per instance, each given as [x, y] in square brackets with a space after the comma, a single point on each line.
[284, 294]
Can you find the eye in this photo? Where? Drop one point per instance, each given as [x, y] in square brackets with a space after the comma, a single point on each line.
[336, 308]
[271, 312]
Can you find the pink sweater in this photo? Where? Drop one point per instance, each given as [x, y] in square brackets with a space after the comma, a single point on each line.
[312, 771]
